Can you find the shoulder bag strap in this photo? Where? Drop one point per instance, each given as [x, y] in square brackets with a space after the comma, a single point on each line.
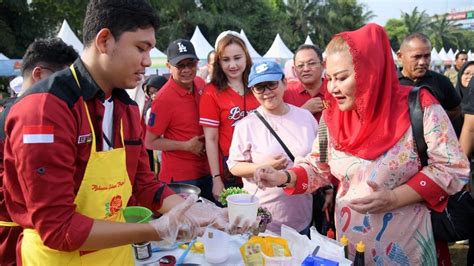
[288, 152]
[416, 117]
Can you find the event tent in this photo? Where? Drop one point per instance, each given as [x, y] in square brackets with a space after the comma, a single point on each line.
[442, 54]
[158, 62]
[278, 50]
[252, 52]
[435, 58]
[308, 40]
[67, 35]
[201, 45]
[155, 53]
[3, 57]
[450, 54]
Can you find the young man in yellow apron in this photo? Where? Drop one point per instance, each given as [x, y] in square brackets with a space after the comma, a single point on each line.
[74, 154]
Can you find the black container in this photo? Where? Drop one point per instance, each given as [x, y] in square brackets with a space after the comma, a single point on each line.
[142, 250]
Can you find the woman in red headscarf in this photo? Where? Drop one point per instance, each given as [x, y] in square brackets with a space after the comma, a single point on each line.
[384, 195]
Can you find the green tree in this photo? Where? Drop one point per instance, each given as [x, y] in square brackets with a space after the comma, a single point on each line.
[178, 19]
[415, 21]
[334, 16]
[443, 32]
[396, 31]
[16, 27]
[301, 14]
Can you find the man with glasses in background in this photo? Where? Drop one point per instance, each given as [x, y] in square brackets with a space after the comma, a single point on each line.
[173, 126]
[308, 92]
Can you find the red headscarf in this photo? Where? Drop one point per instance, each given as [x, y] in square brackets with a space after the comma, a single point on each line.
[380, 117]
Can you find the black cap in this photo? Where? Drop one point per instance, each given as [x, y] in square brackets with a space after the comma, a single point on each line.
[179, 50]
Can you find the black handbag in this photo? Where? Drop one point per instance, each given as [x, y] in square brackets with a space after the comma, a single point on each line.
[454, 223]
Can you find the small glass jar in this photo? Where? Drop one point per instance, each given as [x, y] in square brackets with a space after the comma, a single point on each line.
[142, 250]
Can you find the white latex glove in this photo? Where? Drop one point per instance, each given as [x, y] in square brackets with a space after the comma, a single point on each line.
[211, 215]
[176, 226]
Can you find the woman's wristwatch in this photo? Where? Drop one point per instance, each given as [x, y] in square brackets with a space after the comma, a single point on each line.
[288, 179]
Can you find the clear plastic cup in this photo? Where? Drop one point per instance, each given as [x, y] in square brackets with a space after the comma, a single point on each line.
[243, 205]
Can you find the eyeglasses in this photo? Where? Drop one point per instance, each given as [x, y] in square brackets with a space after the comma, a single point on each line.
[310, 64]
[191, 64]
[260, 88]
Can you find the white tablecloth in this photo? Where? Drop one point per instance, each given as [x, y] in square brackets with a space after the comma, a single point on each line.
[234, 255]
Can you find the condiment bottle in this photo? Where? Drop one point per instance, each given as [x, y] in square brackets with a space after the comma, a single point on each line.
[330, 233]
[359, 257]
[345, 242]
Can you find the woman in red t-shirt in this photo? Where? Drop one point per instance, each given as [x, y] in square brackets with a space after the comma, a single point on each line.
[225, 101]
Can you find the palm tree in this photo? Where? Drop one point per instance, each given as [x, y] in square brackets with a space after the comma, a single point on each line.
[339, 15]
[416, 21]
[301, 14]
[443, 32]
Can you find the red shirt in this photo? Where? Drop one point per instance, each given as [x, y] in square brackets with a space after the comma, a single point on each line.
[175, 115]
[297, 95]
[222, 109]
[41, 180]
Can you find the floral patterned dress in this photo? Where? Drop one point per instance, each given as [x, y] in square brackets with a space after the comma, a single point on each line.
[403, 236]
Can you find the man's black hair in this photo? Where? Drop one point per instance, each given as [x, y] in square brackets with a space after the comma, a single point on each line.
[460, 53]
[49, 53]
[118, 16]
[313, 47]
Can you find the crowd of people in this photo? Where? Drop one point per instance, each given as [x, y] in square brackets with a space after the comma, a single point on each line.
[335, 138]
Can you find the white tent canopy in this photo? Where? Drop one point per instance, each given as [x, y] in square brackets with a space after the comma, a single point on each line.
[155, 53]
[450, 54]
[67, 35]
[253, 53]
[278, 49]
[3, 57]
[442, 54]
[435, 58]
[201, 45]
[308, 40]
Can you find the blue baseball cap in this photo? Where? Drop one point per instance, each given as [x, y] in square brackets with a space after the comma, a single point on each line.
[265, 71]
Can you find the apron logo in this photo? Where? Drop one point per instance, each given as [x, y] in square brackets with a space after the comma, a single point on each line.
[114, 206]
[84, 138]
[107, 187]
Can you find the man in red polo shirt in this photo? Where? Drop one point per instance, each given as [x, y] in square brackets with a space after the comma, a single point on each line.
[308, 92]
[173, 126]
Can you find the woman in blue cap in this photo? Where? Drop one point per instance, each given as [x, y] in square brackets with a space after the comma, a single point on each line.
[253, 145]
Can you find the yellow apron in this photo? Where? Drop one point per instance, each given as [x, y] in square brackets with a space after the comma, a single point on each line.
[104, 192]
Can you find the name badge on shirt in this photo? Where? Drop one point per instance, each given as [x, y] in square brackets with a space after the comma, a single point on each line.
[87, 138]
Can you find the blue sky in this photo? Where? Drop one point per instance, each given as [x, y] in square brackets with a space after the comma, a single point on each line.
[387, 9]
